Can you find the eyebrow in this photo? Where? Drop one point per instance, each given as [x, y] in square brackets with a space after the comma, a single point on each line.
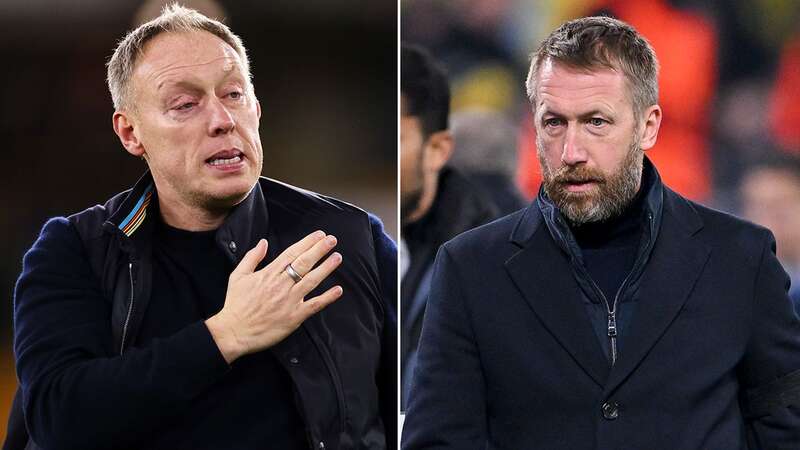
[188, 85]
[191, 86]
[583, 116]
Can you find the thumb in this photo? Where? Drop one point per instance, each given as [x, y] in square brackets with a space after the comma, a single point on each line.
[251, 259]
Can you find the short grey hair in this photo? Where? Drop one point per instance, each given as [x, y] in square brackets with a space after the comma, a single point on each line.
[173, 18]
[593, 42]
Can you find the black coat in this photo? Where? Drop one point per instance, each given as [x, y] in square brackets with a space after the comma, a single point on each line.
[508, 358]
[90, 379]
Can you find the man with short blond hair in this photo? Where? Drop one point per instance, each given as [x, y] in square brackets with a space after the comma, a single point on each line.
[206, 307]
[612, 313]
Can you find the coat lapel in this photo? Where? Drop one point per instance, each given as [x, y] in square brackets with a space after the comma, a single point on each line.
[542, 273]
[676, 263]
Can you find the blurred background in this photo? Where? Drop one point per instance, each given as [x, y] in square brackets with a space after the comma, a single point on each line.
[325, 73]
[729, 90]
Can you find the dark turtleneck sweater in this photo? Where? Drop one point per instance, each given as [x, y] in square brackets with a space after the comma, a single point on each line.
[609, 248]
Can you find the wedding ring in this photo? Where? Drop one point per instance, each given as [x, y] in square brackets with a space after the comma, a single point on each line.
[293, 273]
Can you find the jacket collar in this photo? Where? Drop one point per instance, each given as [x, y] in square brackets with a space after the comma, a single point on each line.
[136, 216]
[132, 220]
[245, 225]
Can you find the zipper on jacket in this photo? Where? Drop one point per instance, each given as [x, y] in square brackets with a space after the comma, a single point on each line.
[611, 309]
[130, 311]
[612, 333]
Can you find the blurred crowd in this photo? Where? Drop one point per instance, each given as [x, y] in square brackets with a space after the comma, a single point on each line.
[729, 89]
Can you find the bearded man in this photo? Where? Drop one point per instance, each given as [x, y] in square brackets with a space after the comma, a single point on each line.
[612, 313]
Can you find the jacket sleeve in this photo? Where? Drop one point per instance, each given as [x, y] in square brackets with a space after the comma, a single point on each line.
[771, 367]
[77, 393]
[386, 256]
[447, 401]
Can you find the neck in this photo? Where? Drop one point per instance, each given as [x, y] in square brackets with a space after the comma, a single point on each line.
[189, 218]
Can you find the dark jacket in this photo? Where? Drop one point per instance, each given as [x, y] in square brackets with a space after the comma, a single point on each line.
[83, 293]
[508, 358]
[457, 207]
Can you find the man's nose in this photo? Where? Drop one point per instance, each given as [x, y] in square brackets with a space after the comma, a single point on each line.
[221, 120]
[573, 152]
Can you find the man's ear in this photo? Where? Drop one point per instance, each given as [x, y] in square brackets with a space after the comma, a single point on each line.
[652, 122]
[438, 150]
[125, 127]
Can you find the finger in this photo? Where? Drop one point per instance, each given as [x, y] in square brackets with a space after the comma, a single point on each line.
[312, 279]
[320, 302]
[296, 249]
[251, 259]
[306, 261]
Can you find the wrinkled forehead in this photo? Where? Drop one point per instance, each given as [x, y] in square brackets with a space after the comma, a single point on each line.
[170, 54]
[557, 73]
[562, 83]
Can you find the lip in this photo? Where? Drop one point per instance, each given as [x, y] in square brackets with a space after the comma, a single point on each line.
[580, 186]
[234, 154]
[226, 154]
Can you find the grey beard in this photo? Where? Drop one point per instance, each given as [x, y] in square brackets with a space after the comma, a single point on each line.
[611, 198]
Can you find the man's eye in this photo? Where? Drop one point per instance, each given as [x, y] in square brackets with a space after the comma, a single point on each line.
[552, 122]
[185, 106]
[236, 95]
[597, 122]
